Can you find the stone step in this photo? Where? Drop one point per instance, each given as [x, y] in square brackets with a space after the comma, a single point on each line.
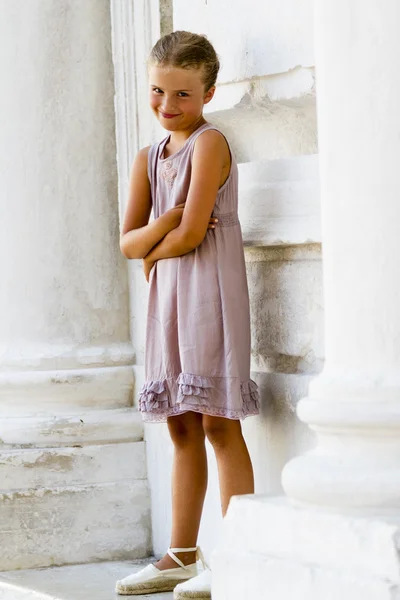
[79, 582]
[87, 427]
[77, 524]
[24, 469]
[73, 505]
[283, 551]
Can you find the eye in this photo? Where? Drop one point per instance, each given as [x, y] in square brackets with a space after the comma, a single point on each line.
[183, 94]
[157, 91]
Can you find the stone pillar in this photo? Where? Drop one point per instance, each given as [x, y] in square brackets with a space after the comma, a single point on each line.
[66, 381]
[338, 536]
[354, 405]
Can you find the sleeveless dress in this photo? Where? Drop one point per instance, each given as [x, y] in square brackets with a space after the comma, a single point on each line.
[198, 323]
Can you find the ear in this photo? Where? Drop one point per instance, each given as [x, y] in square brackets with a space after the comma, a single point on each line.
[209, 95]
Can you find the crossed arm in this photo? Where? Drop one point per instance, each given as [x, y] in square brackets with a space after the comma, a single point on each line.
[174, 234]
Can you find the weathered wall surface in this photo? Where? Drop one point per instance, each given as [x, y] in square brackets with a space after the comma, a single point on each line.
[265, 103]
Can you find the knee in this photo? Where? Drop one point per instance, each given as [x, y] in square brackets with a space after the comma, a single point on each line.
[221, 432]
[185, 430]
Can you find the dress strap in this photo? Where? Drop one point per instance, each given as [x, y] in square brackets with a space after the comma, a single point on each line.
[152, 171]
[151, 160]
[199, 131]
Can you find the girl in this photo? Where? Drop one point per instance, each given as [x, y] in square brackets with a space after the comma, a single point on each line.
[198, 326]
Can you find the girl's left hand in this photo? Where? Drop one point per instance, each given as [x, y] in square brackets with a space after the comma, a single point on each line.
[147, 267]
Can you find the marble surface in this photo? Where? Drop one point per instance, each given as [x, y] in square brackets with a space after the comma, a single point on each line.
[78, 582]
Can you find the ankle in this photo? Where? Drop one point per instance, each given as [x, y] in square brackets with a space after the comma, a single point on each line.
[188, 558]
[166, 562]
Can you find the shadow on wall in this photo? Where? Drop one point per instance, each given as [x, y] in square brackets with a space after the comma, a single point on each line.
[285, 285]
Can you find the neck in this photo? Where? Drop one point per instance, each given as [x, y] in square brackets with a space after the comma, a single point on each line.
[180, 137]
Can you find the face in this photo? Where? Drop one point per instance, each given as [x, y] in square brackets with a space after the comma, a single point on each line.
[177, 96]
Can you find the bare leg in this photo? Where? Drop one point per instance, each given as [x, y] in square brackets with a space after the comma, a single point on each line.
[189, 485]
[235, 470]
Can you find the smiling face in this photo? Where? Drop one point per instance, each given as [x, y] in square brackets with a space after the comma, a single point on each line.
[177, 96]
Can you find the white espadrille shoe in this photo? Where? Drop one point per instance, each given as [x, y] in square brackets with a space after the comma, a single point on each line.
[198, 588]
[151, 580]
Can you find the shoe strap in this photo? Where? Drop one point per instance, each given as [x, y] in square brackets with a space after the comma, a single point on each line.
[200, 556]
[171, 551]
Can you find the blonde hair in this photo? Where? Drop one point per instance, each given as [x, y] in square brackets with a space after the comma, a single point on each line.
[185, 50]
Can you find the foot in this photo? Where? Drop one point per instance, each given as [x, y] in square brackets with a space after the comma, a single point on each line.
[188, 558]
[163, 578]
[151, 580]
[197, 588]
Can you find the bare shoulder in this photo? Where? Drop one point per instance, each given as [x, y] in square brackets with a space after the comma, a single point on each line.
[144, 151]
[143, 155]
[138, 175]
[211, 140]
[211, 151]
[139, 165]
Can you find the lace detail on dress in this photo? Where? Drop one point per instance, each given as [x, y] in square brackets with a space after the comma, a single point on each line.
[168, 173]
[227, 413]
[227, 219]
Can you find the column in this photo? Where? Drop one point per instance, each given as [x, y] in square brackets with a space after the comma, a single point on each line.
[136, 26]
[72, 467]
[336, 536]
[354, 405]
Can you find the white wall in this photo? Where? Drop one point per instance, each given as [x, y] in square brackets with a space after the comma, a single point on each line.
[253, 39]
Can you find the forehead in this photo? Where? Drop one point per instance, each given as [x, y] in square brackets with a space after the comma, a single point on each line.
[173, 78]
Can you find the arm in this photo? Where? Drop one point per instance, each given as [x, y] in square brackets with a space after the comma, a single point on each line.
[210, 154]
[138, 236]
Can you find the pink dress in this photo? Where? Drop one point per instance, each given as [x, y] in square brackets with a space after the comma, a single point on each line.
[198, 323]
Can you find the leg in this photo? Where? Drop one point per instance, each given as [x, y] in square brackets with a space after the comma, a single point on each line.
[189, 484]
[234, 465]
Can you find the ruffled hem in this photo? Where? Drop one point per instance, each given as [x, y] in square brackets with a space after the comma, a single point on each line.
[154, 395]
[250, 395]
[194, 393]
[193, 389]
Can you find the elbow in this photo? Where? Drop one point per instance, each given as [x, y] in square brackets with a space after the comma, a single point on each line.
[123, 246]
[128, 249]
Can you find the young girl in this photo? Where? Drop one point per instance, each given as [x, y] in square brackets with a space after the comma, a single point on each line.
[198, 326]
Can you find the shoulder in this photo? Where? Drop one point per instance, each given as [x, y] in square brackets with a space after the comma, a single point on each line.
[143, 153]
[140, 162]
[141, 158]
[211, 143]
[211, 138]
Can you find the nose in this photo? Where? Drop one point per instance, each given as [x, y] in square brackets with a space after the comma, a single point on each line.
[167, 105]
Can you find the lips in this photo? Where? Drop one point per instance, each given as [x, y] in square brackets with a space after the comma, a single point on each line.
[167, 116]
